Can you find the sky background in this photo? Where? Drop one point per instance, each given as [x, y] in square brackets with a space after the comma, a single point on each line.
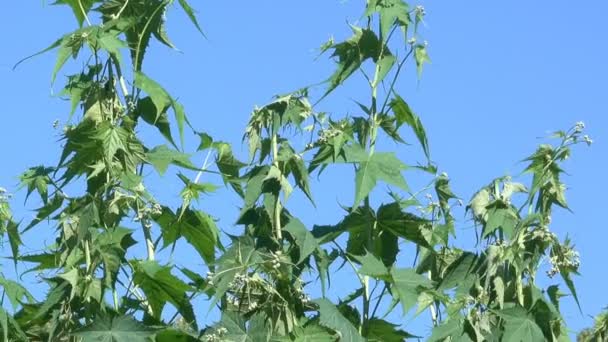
[503, 75]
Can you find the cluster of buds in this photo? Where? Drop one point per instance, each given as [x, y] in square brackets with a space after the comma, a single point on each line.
[302, 296]
[210, 276]
[543, 234]
[420, 11]
[240, 281]
[247, 305]
[216, 336]
[145, 214]
[276, 259]
[578, 128]
[587, 140]
[4, 195]
[570, 259]
[67, 128]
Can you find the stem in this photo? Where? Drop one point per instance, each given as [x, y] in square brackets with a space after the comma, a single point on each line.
[84, 13]
[122, 9]
[432, 306]
[87, 255]
[369, 243]
[115, 298]
[149, 242]
[203, 168]
[277, 205]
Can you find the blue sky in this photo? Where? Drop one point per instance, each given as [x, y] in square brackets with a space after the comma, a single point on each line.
[503, 75]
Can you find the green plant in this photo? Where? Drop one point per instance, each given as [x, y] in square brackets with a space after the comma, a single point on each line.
[259, 279]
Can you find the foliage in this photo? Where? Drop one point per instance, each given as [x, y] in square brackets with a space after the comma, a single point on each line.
[599, 331]
[259, 280]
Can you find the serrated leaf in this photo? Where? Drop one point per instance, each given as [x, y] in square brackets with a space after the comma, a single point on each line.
[191, 15]
[200, 231]
[303, 237]
[161, 157]
[146, 109]
[391, 12]
[115, 329]
[390, 217]
[162, 100]
[519, 326]
[372, 266]
[15, 292]
[380, 330]
[503, 218]
[312, 333]
[350, 54]
[405, 115]
[406, 286]
[451, 328]
[379, 166]
[330, 316]
[162, 287]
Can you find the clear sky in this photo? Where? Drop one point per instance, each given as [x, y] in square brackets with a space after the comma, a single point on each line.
[503, 74]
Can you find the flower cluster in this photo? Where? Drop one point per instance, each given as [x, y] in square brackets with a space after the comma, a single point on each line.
[302, 296]
[216, 336]
[569, 259]
[145, 214]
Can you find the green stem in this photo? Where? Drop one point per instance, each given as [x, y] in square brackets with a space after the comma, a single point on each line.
[149, 242]
[277, 205]
[84, 13]
[369, 243]
[87, 255]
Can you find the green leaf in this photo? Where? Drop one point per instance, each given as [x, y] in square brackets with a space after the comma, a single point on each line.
[407, 285]
[161, 287]
[115, 329]
[36, 178]
[312, 333]
[421, 57]
[237, 330]
[519, 326]
[200, 231]
[451, 328]
[14, 239]
[330, 316]
[237, 259]
[191, 15]
[146, 109]
[461, 271]
[159, 96]
[111, 247]
[503, 218]
[350, 54]
[45, 211]
[162, 100]
[380, 330]
[79, 7]
[15, 292]
[372, 266]
[303, 238]
[406, 225]
[405, 115]
[391, 12]
[385, 64]
[161, 157]
[379, 166]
